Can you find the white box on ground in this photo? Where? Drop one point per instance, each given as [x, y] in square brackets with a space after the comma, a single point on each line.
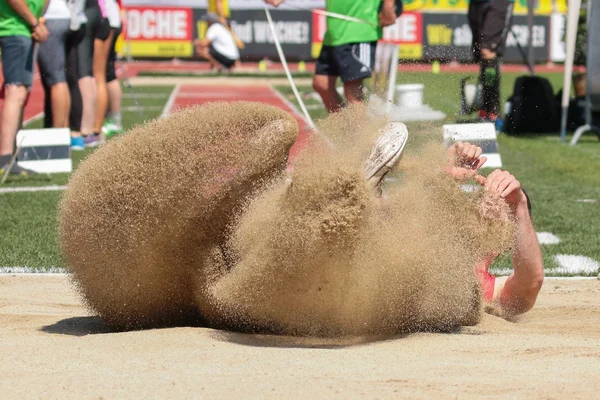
[45, 150]
[410, 95]
[481, 134]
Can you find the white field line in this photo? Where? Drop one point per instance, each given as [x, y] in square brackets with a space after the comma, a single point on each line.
[32, 271]
[144, 95]
[171, 101]
[34, 118]
[20, 271]
[221, 95]
[147, 108]
[547, 238]
[22, 189]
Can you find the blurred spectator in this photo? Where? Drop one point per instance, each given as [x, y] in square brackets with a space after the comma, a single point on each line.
[489, 21]
[87, 30]
[52, 57]
[102, 46]
[113, 124]
[349, 48]
[218, 46]
[20, 27]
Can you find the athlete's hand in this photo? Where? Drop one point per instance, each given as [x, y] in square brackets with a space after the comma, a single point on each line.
[40, 32]
[275, 3]
[465, 160]
[506, 186]
[387, 16]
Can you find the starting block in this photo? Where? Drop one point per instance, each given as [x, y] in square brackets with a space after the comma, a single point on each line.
[481, 134]
[45, 150]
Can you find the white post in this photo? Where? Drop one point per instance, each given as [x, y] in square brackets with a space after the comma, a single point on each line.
[287, 70]
[573, 8]
[393, 73]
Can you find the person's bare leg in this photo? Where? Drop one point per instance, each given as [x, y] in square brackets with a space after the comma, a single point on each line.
[325, 86]
[61, 104]
[101, 51]
[115, 96]
[353, 91]
[87, 87]
[12, 111]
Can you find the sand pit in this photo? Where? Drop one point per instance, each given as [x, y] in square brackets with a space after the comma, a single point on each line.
[51, 348]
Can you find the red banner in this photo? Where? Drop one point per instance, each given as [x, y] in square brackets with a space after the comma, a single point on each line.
[146, 23]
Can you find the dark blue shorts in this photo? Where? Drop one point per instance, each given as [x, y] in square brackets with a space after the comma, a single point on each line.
[350, 61]
[17, 60]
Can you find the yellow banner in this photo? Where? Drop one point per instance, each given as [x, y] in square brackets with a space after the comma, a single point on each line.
[542, 7]
[156, 48]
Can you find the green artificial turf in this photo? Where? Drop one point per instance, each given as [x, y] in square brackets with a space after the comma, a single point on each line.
[28, 220]
[556, 176]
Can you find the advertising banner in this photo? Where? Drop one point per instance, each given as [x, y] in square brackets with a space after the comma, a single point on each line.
[448, 37]
[542, 7]
[294, 30]
[159, 32]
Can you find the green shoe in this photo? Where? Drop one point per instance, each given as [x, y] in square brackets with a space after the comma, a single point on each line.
[110, 128]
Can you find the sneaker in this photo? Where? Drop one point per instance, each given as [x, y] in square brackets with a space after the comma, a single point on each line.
[385, 153]
[16, 168]
[110, 128]
[93, 140]
[77, 143]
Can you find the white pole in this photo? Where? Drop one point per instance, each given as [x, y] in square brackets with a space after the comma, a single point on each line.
[573, 8]
[287, 71]
[393, 73]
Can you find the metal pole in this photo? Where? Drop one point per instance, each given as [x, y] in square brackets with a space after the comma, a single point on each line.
[393, 73]
[530, 52]
[572, 19]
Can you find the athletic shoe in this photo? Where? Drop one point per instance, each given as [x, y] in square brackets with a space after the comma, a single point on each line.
[385, 153]
[110, 128]
[94, 140]
[77, 143]
[15, 170]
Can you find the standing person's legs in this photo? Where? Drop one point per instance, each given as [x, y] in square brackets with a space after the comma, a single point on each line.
[17, 67]
[114, 122]
[326, 74]
[102, 45]
[85, 56]
[355, 63]
[52, 61]
[493, 22]
[77, 141]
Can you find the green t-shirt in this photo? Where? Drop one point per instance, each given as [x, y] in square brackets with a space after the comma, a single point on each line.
[340, 31]
[11, 23]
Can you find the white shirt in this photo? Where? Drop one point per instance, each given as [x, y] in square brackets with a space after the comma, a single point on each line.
[113, 13]
[57, 9]
[222, 41]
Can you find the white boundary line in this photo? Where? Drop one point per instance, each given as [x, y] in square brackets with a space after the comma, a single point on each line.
[27, 189]
[34, 118]
[171, 100]
[55, 271]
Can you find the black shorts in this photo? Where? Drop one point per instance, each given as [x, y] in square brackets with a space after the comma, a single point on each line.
[111, 73]
[487, 20]
[350, 61]
[220, 58]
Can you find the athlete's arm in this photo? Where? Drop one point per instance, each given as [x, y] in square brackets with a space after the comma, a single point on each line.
[387, 16]
[518, 292]
[275, 3]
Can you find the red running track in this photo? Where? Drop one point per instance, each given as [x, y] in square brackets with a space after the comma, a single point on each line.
[189, 95]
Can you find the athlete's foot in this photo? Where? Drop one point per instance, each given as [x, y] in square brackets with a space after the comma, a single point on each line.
[385, 154]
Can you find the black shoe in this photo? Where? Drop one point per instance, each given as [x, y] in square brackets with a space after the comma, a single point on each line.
[16, 169]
